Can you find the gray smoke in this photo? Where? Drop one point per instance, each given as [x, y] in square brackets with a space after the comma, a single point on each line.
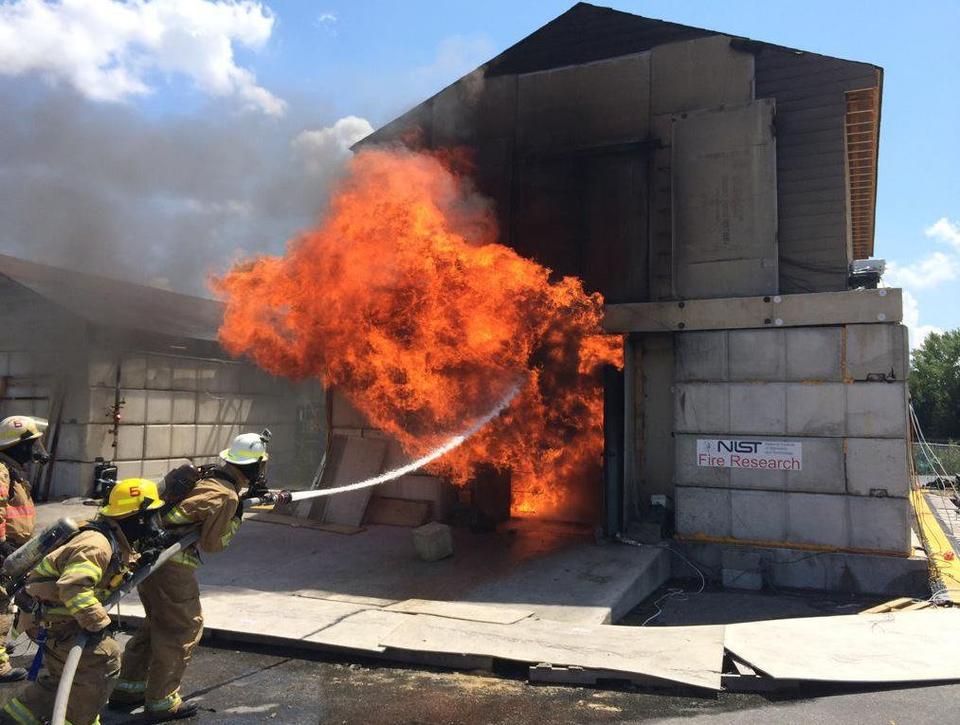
[108, 189]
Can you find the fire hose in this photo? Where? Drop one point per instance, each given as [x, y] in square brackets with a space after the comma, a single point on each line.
[268, 497]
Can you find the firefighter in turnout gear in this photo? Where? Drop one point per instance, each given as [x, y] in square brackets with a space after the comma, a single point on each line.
[157, 656]
[19, 445]
[69, 585]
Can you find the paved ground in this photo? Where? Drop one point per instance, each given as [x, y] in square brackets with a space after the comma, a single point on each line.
[268, 685]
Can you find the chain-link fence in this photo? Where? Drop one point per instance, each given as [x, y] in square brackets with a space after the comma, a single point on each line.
[947, 453]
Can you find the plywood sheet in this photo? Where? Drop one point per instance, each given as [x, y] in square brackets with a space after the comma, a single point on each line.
[463, 610]
[725, 202]
[253, 613]
[362, 458]
[686, 655]
[360, 630]
[913, 646]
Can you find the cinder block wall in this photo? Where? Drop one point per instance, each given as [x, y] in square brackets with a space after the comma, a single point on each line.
[841, 391]
[179, 407]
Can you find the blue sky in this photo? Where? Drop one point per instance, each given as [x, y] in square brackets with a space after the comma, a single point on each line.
[316, 62]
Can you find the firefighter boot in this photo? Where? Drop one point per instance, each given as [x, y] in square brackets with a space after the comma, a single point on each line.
[182, 712]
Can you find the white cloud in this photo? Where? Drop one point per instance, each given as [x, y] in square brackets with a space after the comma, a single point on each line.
[926, 273]
[107, 49]
[911, 318]
[319, 149]
[946, 231]
[324, 18]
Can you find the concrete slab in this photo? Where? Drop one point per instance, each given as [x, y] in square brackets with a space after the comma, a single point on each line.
[814, 354]
[877, 465]
[690, 656]
[894, 647]
[877, 350]
[877, 410]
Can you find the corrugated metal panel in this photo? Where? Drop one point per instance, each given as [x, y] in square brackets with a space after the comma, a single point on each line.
[810, 90]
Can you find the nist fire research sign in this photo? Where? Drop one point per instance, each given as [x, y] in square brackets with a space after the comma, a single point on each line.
[765, 455]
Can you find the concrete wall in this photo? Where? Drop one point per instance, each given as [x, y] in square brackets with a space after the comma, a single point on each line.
[839, 391]
[178, 407]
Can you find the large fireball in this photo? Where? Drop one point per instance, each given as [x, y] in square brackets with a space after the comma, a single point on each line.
[402, 298]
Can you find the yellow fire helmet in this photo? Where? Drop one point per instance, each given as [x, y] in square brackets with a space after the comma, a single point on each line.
[128, 496]
[16, 428]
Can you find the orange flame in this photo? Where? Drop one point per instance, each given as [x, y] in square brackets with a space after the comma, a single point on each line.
[402, 299]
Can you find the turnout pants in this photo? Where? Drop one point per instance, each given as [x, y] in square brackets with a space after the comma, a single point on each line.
[6, 624]
[157, 656]
[96, 674]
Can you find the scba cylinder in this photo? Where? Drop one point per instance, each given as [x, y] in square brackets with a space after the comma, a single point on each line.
[20, 562]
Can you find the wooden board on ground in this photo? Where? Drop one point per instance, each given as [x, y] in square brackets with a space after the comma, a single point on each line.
[903, 604]
[257, 615]
[468, 611]
[911, 646]
[358, 459]
[684, 655]
[297, 522]
[398, 512]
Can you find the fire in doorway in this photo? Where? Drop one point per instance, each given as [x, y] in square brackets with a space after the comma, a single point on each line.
[403, 298]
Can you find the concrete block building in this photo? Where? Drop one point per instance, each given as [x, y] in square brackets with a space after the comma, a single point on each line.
[134, 375]
[716, 190]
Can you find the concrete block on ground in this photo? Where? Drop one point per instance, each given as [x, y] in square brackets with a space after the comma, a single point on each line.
[159, 373]
[158, 441]
[687, 471]
[877, 410]
[814, 353]
[758, 408]
[133, 371]
[817, 519]
[877, 350]
[433, 541]
[184, 407]
[701, 356]
[876, 465]
[758, 515]
[701, 407]
[879, 524]
[159, 406]
[130, 442]
[703, 511]
[816, 409]
[757, 355]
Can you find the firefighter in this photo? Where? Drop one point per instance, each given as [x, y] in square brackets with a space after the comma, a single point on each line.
[157, 655]
[69, 585]
[19, 444]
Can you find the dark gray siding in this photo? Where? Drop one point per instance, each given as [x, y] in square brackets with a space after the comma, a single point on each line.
[811, 178]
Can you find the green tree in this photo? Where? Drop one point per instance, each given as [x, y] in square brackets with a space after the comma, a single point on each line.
[935, 385]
